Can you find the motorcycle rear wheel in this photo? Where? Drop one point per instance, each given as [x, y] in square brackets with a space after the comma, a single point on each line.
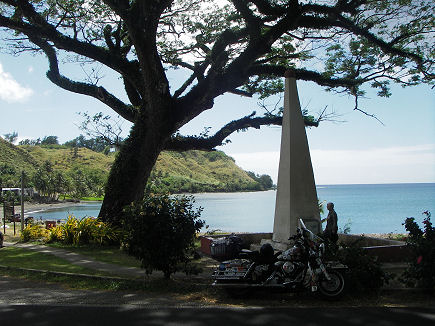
[333, 288]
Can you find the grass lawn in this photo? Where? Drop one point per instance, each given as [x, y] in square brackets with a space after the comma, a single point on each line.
[24, 258]
[107, 254]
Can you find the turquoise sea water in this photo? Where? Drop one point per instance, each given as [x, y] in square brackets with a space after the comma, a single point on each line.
[378, 208]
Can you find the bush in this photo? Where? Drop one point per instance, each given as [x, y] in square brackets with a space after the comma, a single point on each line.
[76, 232]
[34, 232]
[365, 273]
[88, 230]
[160, 232]
[421, 270]
[55, 234]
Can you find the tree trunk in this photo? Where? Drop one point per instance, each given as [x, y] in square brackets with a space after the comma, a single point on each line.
[133, 164]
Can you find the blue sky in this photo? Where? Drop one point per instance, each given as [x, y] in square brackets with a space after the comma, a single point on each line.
[360, 150]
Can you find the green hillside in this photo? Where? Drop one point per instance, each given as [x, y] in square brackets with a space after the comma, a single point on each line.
[65, 158]
[175, 172]
[197, 171]
[13, 160]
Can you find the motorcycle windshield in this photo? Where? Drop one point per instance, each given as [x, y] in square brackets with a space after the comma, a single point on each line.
[308, 234]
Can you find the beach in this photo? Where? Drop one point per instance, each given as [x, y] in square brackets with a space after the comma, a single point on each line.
[30, 207]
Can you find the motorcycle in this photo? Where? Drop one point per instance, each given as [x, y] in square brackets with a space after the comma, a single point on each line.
[299, 268]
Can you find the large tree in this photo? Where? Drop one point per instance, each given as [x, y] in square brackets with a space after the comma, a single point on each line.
[229, 46]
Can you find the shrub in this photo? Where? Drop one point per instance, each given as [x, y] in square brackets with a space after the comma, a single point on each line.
[365, 272]
[76, 232]
[87, 230]
[34, 232]
[55, 234]
[161, 230]
[69, 229]
[421, 269]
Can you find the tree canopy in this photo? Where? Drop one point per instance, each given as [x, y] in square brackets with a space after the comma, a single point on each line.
[229, 46]
[241, 47]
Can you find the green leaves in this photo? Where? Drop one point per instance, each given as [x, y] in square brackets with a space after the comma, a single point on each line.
[421, 270]
[265, 86]
[161, 231]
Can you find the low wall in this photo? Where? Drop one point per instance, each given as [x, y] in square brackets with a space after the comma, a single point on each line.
[248, 238]
[390, 254]
[365, 241]
[385, 250]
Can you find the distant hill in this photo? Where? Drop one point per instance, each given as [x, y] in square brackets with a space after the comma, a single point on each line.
[13, 160]
[65, 158]
[175, 172]
[198, 171]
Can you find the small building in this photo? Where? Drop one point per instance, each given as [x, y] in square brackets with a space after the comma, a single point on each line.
[27, 191]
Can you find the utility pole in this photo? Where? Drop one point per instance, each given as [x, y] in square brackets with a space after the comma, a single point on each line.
[22, 201]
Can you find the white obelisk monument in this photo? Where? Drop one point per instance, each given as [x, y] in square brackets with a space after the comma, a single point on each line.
[296, 195]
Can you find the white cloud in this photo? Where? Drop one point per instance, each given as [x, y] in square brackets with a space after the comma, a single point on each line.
[11, 90]
[377, 165]
[259, 162]
[30, 69]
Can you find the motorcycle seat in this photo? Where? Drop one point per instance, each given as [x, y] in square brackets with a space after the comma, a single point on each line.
[249, 254]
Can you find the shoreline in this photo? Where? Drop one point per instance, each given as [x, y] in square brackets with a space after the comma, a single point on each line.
[32, 208]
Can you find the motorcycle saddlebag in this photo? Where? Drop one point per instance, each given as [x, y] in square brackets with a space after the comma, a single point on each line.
[226, 248]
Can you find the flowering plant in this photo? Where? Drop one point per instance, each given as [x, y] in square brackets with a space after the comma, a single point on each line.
[421, 270]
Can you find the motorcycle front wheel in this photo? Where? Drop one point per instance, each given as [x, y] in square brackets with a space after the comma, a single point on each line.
[333, 288]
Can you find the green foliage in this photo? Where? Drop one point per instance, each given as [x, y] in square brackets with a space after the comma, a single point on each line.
[88, 230]
[421, 270]
[55, 234]
[346, 228]
[96, 144]
[34, 232]
[11, 137]
[161, 232]
[30, 142]
[80, 172]
[13, 160]
[10, 197]
[49, 182]
[198, 171]
[264, 181]
[49, 140]
[365, 272]
[85, 231]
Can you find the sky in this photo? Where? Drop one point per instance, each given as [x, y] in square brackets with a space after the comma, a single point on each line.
[355, 149]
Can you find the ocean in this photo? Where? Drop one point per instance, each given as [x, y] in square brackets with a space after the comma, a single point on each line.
[378, 208]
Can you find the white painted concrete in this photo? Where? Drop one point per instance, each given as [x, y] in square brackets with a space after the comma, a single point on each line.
[296, 194]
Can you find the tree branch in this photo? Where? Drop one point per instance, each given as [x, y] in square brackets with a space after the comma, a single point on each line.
[100, 93]
[185, 143]
[303, 74]
[386, 47]
[41, 29]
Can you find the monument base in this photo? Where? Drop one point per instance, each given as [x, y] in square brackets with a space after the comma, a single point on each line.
[277, 246]
[311, 224]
